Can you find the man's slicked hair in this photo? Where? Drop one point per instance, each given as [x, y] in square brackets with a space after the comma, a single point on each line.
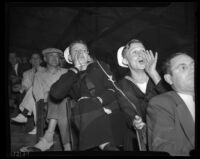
[128, 45]
[77, 42]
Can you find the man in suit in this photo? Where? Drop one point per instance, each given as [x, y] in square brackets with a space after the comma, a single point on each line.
[15, 76]
[171, 115]
[27, 106]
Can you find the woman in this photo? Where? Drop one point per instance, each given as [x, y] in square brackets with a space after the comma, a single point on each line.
[89, 86]
[139, 86]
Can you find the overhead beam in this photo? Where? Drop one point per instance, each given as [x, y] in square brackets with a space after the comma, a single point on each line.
[118, 24]
[144, 15]
[69, 29]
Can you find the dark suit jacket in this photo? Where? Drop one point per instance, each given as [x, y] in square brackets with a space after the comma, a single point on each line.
[170, 125]
[16, 95]
[21, 68]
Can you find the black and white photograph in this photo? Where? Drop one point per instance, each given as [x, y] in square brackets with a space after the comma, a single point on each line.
[94, 78]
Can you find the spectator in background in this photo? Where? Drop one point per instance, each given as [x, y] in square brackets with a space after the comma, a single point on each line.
[171, 115]
[56, 112]
[24, 60]
[63, 63]
[16, 70]
[27, 106]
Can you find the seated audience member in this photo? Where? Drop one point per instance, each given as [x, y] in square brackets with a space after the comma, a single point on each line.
[27, 105]
[171, 115]
[139, 86]
[56, 112]
[16, 70]
[97, 123]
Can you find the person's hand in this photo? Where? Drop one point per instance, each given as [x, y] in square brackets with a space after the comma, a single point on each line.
[138, 123]
[151, 62]
[107, 111]
[150, 67]
[79, 64]
[16, 87]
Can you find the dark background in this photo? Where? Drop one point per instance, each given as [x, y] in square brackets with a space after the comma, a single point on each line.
[164, 27]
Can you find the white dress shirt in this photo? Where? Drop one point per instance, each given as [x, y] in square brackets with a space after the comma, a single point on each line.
[189, 101]
[16, 67]
[142, 86]
[43, 82]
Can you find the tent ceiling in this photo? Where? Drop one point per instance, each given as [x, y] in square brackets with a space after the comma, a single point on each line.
[162, 28]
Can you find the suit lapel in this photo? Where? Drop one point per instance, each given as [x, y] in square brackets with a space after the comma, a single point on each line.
[185, 117]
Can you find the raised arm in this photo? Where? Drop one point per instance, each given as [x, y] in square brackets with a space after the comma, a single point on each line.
[61, 88]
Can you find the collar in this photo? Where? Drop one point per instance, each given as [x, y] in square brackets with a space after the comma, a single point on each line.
[189, 101]
[16, 65]
[141, 86]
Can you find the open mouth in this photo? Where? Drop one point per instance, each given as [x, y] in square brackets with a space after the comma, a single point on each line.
[141, 61]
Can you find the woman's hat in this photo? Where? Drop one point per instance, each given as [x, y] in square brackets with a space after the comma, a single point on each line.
[67, 56]
[120, 57]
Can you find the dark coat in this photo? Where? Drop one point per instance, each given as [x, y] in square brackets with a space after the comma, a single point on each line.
[12, 75]
[140, 100]
[20, 70]
[170, 125]
[96, 127]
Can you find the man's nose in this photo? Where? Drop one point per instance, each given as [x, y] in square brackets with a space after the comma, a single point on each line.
[79, 51]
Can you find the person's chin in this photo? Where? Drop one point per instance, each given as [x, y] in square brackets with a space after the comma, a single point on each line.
[141, 67]
[84, 63]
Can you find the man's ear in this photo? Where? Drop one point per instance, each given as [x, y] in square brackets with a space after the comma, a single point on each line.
[70, 57]
[168, 79]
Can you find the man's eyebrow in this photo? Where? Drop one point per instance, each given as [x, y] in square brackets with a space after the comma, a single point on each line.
[178, 66]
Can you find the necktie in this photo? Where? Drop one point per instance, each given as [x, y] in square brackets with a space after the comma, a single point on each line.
[35, 71]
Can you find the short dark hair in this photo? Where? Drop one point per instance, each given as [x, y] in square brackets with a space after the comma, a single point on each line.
[167, 64]
[35, 53]
[127, 46]
[79, 42]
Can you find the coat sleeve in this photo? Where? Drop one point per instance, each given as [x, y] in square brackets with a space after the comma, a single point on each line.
[26, 81]
[61, 88]
[162, 135]
[109, 93]
[160, 87]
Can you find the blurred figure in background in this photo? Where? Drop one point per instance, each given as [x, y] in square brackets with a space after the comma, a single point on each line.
[16, 70]
[27, 106]
[56, 112]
